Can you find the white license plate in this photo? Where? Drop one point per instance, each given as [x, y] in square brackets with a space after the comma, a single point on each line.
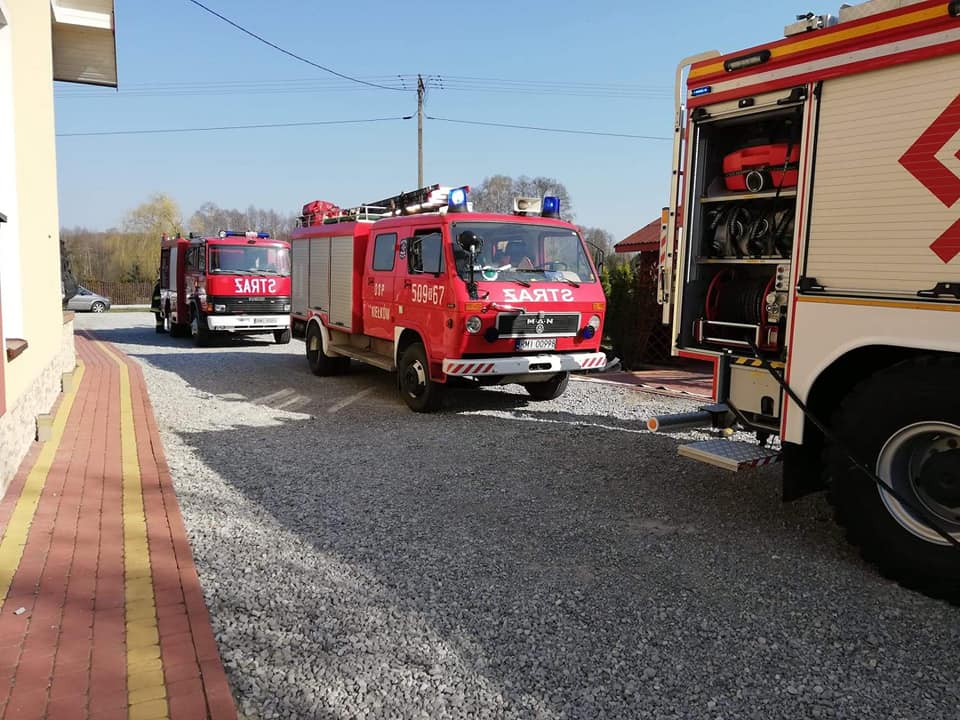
[263, 321]
[537, 344]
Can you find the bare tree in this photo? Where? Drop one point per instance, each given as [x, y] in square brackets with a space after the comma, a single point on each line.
[496, 193]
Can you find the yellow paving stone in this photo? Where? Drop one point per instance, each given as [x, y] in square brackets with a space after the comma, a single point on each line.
[154, 692]
[142, 666]
[142, 610]
[141, 655]
[140, 637]
[149, 710]
[140, 680]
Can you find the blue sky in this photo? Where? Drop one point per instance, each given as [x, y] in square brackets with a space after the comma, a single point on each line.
[604, 66]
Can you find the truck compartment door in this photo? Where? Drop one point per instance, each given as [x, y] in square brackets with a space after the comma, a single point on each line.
[318, 291]
[341, 282]
[300, 276]
[886, 181]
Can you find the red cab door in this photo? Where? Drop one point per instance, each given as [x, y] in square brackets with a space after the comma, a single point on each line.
[378, 287]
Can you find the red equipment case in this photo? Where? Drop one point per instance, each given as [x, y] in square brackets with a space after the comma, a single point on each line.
[761, 167]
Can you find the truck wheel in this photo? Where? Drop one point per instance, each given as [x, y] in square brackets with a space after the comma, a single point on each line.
[198, 329]
[281, 337]
[160, 326]
[420, 393]
[913, 444]
[549, 390]
[320, 363]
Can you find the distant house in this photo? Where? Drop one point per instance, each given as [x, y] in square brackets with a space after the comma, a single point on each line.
[646, 239]
[40, 41]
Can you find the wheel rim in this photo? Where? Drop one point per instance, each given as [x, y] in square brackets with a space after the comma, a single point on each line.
[922, 463]
[415, 379]
[98, 307]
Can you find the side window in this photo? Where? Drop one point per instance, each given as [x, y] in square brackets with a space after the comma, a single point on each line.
[426, 253]
[165, 269]
[384, 251]
[190, 259]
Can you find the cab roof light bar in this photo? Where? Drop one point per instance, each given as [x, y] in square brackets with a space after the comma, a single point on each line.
[241, 233]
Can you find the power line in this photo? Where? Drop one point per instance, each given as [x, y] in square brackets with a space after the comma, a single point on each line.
[407, 82]
[156, 131]
[546, 129]
[289, 53]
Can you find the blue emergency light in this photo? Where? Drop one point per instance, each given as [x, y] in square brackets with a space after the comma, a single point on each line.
[550, 207]
[457, 199]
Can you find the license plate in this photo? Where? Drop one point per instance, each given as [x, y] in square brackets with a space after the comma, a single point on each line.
[263, 321]
[537, 344]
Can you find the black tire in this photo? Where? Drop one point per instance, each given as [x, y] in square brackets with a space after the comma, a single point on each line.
[549, 390]
[281, 337]
[198, 328]
[98, 307]
[419, 392]
[320, 363]
[159, 327]
[896, 422]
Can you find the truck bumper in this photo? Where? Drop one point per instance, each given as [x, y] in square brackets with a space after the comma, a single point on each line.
[247, 323]
[524, 365]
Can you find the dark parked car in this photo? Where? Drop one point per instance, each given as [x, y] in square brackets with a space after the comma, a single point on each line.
[87, 300]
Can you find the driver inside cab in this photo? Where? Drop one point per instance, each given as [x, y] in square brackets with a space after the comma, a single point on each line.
[516, 256]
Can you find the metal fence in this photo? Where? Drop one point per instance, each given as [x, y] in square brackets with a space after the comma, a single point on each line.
[122, 293]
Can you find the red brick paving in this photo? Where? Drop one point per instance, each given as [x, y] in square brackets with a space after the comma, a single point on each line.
[65, 655]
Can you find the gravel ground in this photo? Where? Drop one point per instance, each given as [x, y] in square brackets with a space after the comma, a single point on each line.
[508, 559]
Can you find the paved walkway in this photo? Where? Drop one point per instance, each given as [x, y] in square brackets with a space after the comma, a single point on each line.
[101, 611]
[676, 383]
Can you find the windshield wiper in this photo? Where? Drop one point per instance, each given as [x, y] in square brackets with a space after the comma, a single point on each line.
[518, 281]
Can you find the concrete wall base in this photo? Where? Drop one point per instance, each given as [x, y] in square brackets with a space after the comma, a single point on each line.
[20, 425]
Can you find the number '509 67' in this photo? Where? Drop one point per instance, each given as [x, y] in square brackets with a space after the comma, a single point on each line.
[429, 294]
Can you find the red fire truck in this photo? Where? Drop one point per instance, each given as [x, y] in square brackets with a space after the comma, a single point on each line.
[420, 284]
[811, 253]
[236, 282]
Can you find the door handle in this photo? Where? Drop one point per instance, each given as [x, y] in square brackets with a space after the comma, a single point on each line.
[408, 283]
[370, 281]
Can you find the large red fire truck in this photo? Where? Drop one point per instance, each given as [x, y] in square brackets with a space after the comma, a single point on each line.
[235, 282]
[810, 252]
[420, 284]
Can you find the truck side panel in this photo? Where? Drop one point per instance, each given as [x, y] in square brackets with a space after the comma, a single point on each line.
[341, 281]
[885, 187]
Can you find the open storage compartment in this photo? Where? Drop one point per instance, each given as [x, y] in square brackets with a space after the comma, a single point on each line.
[740, 234]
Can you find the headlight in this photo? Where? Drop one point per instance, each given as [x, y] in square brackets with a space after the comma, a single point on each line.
[286, 308]
[594, 322]
[219, 308]
[474, 324]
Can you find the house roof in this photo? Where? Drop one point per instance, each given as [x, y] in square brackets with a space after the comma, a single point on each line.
[84, 45]
[646, 239]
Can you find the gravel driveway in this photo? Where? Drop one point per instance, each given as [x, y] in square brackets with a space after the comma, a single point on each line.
[509, 559]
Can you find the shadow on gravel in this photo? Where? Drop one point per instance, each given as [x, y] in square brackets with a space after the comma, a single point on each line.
[483, 562]
[149, 337]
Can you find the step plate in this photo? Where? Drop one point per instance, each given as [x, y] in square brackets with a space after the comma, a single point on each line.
[729, 454]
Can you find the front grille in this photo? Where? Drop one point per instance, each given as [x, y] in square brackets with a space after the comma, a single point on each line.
[252, 305]
[538, 324]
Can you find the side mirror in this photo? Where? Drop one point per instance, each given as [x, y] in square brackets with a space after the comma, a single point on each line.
[598, 257]
[470, 242]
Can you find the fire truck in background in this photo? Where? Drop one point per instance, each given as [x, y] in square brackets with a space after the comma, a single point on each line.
[420, 284]
[810, 252]
[235, 282]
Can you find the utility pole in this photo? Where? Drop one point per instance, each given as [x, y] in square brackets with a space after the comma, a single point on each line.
[421, 90]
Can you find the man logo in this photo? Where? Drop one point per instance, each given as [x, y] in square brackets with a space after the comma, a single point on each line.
[540, 328]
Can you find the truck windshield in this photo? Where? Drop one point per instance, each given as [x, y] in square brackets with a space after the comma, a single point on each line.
[525, 253]
[248, 260]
